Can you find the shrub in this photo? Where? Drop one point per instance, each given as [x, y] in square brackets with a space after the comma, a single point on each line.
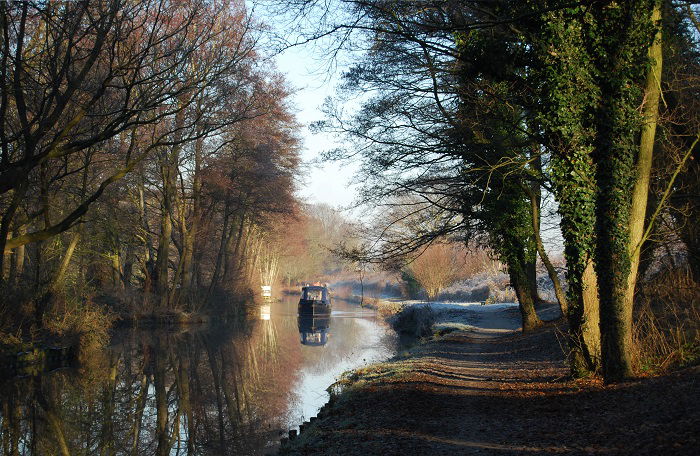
[82, 324]
[414, 321]
[411, 288]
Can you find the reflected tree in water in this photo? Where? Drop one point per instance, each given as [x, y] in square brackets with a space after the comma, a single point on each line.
[156, 392]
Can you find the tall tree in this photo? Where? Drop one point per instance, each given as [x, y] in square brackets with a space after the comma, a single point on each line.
[600, 51]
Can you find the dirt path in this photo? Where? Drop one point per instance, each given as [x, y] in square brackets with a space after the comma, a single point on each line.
[493, 390]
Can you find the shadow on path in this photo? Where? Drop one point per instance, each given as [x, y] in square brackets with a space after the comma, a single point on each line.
[493, 390]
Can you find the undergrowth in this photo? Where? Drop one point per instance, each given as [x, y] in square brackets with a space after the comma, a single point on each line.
[80, 323]
[666, 330]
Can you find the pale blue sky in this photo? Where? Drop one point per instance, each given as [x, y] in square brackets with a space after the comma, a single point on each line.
[308, 76]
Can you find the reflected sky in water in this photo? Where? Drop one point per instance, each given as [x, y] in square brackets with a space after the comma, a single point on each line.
[355, 338]
[197, 390]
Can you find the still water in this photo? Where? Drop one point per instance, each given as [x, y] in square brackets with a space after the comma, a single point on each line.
[192, 391]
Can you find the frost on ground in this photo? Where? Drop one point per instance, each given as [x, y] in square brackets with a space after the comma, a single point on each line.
[495, 287]
[419, 317]
[491, 390]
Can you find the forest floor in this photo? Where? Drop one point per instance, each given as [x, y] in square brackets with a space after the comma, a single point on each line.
[490, 389]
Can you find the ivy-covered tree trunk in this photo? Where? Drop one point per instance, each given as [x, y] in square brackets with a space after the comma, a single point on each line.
[531, 263]
[531, 271]
[507, 218]
[583, 310]
[620, 60]
[568, 96]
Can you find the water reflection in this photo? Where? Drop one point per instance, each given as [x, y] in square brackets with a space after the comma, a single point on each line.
[195, 391]
[313, 330]
[265, 312]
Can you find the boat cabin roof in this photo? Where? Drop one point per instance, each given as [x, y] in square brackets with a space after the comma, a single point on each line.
[314, 293]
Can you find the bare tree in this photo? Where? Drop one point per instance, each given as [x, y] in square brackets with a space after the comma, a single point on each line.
[437, 267]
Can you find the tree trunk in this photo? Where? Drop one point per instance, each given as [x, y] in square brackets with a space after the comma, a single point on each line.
[6, 265]
[148, 254]
[241, 251]
[185, 252]
[521, 285]
[231, 256]
[116, 269]
[7, 218]
[690, 235]
[551, 272]
[161, 268]
[188, 273]
[531, 271]
[221, 254]
[584, 322]
[590, 326]
[17, 263]
[166, 227]
[618, 167]
[60, 275]
[640, 193]
[186, 265]
[41, 307]
[169, 172]
[566, 121]
[128, 268]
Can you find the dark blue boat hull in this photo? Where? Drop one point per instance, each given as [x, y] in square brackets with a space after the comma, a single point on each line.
[314, 308]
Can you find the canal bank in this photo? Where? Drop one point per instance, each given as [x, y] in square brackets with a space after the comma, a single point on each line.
[488, 389]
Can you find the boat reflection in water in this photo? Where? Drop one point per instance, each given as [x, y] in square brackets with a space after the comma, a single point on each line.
[314, 330]
[265, 312]
[314, 315]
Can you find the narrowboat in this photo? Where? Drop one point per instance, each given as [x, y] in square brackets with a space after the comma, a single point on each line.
[315, 300]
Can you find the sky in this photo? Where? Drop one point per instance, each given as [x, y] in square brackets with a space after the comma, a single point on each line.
[328, 183]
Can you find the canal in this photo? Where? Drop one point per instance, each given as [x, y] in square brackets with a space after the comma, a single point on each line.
[189, 391]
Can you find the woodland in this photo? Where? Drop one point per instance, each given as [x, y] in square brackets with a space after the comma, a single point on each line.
[150, 154]
[475, 117]
[148, 171]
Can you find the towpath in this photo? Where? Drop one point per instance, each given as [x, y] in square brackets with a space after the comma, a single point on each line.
[493, 390]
